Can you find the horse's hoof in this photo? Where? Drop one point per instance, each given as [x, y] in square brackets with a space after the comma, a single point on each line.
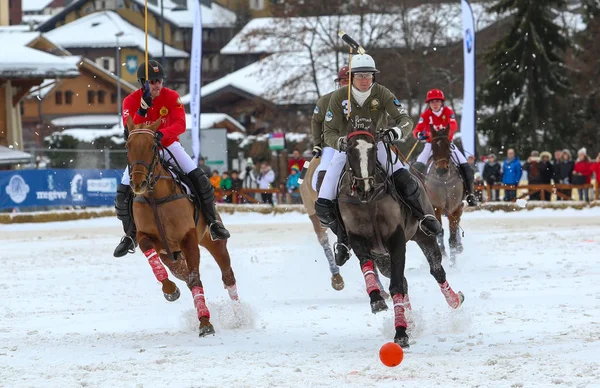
[461, 298]
[337, 282]
[377, 303]
[206, 329]
[402, 341]
[174, 296]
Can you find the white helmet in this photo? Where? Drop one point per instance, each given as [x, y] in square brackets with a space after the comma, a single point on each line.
[363, 63]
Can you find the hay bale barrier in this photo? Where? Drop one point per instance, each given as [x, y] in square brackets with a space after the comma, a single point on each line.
[83, 214]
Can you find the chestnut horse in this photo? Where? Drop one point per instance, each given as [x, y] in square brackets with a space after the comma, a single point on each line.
[166, 228]
[446, 190]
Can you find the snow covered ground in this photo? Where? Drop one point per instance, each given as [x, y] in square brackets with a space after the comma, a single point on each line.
[74, 316]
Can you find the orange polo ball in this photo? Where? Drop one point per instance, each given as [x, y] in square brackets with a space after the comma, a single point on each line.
[391, 354]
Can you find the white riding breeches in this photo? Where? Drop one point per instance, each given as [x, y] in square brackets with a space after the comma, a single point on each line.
[426, 154]
[326, 157]
[185, 161]
[332, 177]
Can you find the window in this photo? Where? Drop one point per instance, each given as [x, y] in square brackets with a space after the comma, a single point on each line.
[215, 62]
[205, 64]
[113, 98]
[179, 65]
[58, 98]
[69, 97]
[101, 96]
[91, 95]
[178, 36]
[107, 63]
[257, 5]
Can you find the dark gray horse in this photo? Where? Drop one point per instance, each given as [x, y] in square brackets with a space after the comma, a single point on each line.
[446, 191]
[379, 227]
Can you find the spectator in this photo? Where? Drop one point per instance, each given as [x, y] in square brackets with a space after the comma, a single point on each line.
[546, 173]
[557, 157]
[582, 174]
[511, 174]
[215, 180]
[295, 160]
[492, 175]
[236, 185]
[563, 173]
[226, 186]
[596, 170]
[533, 174]
[264, 180]
[203, 166]
[292, 185]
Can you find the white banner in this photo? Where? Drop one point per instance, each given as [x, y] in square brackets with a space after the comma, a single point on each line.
[467, 122]
[195, 80]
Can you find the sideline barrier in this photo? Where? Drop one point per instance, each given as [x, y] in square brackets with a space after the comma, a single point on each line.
[69, 215]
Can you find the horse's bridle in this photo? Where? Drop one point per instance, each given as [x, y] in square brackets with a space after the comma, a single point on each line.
[150, 178]
[355, 180]
[444, 137]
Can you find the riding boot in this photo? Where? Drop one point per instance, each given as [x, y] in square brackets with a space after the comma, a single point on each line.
[124, 213]
[408, 188]
[469, 176]
[320, 177]
[420, 167]
[325, 212]
[207, 203]
[341, 249]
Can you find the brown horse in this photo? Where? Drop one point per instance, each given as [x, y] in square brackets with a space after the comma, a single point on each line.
[166, 228]
[379, 227]
[446, 189]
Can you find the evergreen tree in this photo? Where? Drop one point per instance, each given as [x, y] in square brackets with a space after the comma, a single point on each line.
[528, 79]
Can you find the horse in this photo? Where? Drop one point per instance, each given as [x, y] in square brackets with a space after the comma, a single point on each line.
[169, 227]
[446, 190]
[379, 228]
[309, 196]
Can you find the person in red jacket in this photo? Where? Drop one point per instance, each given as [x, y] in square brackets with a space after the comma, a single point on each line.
[146, 105]
[437, 117]
[582, 173]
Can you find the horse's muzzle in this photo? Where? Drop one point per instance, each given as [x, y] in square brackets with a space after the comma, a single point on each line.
[140, 188]
[441, 171]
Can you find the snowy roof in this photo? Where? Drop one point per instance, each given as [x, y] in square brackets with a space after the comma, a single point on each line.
[440, 24]
[11, 156]
[208, 120]
[213, 16]
[263, 78]
[85, 120]
[34, 5]
[42, 90]
[89, 135]
[98, 30]
[35, 19]
[17, 37]
[15, 28]
[17, 60]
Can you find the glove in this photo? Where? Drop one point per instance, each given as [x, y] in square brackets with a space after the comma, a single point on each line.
[146, 100]
[390, 135]
[317, 151]
[158, 135]
[422, 136]
[342, 144]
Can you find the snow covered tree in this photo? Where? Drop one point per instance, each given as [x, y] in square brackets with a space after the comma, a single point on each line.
[528, 81]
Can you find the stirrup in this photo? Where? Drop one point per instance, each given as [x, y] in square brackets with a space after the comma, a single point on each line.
[130, 250]
[218, 223]
[427, 232]
[337, 244]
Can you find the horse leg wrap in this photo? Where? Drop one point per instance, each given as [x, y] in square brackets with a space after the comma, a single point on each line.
[200, 302]
[451, 298]
[370, 279]
[233, 293]
[400, 305]
[407, 304]
[157, 267]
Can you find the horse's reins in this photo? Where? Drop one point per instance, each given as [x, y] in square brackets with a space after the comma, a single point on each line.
[151, 183]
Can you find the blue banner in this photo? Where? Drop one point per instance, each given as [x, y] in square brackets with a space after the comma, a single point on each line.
[47, 188]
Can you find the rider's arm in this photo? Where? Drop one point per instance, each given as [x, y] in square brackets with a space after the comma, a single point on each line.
[398, 113]
[131, 104]
[334, 119]
[177, 115]
[316, 124]
[421, 126]
[452, 122]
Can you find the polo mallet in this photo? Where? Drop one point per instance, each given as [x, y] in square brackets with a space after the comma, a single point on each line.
[304, 171]
[354, 46]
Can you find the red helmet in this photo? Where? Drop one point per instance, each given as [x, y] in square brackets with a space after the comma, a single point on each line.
[342, 74]
[435, 94]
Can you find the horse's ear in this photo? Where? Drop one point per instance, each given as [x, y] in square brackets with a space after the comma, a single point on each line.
[129, 124]
[154, 126]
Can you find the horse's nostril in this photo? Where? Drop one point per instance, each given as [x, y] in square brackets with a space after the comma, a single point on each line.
[143, 184]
